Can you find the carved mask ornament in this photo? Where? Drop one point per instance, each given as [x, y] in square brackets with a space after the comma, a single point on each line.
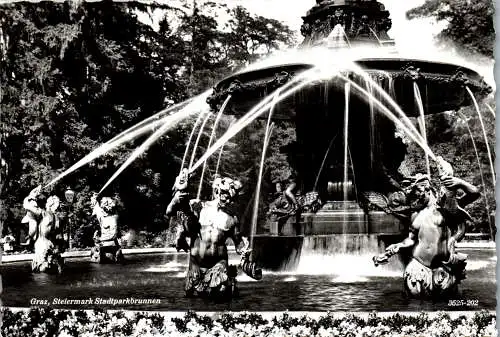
[226, 190]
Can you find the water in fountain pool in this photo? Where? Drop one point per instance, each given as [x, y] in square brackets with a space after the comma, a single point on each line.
[337, 288]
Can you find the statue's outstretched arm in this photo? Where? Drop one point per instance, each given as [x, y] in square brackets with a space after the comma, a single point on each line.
[394, 249]
[180, 201]
[181, 198]
[31, 205]
[406, 243]
[471, 192]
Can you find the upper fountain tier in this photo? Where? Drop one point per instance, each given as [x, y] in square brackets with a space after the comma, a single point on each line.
[339, 32]
[336, 23]
[443, 85]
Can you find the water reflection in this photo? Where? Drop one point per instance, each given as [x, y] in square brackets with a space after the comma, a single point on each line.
[162, 276]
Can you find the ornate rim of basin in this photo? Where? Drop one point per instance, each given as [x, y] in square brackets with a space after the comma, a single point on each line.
[439, 76]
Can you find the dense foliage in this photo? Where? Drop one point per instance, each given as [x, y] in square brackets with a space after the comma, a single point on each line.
[75, 75]
[470, 22]
[48, 322]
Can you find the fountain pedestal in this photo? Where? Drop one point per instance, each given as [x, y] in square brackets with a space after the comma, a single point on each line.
[335, 217]
[107, 251]
[328, 114]
[290, 227]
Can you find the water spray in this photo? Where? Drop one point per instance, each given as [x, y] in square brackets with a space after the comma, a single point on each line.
[387, 96]
[219, 157]
[323, 162]
[485, 199]
[191, 134]
[347, 96]
[200, 132]
[151, 120]
[255, 112]
[169, 123]
[267, 137]
[491, 110]
[420, 105]
[347, 93]
[416, 137]
[128, 135]
[212, 135]
[476, 105]
[265, 104]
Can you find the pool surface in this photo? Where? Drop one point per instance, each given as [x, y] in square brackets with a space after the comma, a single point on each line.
[313, 287]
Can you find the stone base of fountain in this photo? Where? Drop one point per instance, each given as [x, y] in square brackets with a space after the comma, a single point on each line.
[106, 252]
[335, 217]
[336, 221]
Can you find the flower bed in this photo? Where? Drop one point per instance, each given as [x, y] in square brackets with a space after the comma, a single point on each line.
[50, 322]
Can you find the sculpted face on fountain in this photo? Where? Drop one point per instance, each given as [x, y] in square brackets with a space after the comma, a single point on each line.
[225, 190]
[279, 189]
[421, 193]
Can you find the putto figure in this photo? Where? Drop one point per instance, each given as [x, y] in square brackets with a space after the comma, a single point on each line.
[182, 219]
[46, 233]
[29, 203]
[107, 248]
[208, 224]
[437, 222]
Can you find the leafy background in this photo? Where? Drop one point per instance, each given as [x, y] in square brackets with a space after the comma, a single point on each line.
[75, 74]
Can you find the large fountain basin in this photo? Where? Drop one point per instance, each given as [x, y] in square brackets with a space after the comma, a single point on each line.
[442, 85]
[356, 287]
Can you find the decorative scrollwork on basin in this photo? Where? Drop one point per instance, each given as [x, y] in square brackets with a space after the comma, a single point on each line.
[237, 88]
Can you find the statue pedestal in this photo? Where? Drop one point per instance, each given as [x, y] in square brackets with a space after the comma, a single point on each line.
[339, 217]
[347, 217]
[290, 227]
[335, 217]
[106, 252]
[334, 221]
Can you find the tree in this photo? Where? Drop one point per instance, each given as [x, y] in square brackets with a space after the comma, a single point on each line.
[74, 76]
[252, 37]
[470, 22]
[203, 54]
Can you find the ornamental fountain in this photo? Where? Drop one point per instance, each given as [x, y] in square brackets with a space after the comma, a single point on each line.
[362, 169]
[348, 155]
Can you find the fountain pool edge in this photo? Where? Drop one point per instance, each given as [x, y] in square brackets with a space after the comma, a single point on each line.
[137, 251]
[86, 253]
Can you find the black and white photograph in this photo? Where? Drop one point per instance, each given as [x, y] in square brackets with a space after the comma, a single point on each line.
[248, 168]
